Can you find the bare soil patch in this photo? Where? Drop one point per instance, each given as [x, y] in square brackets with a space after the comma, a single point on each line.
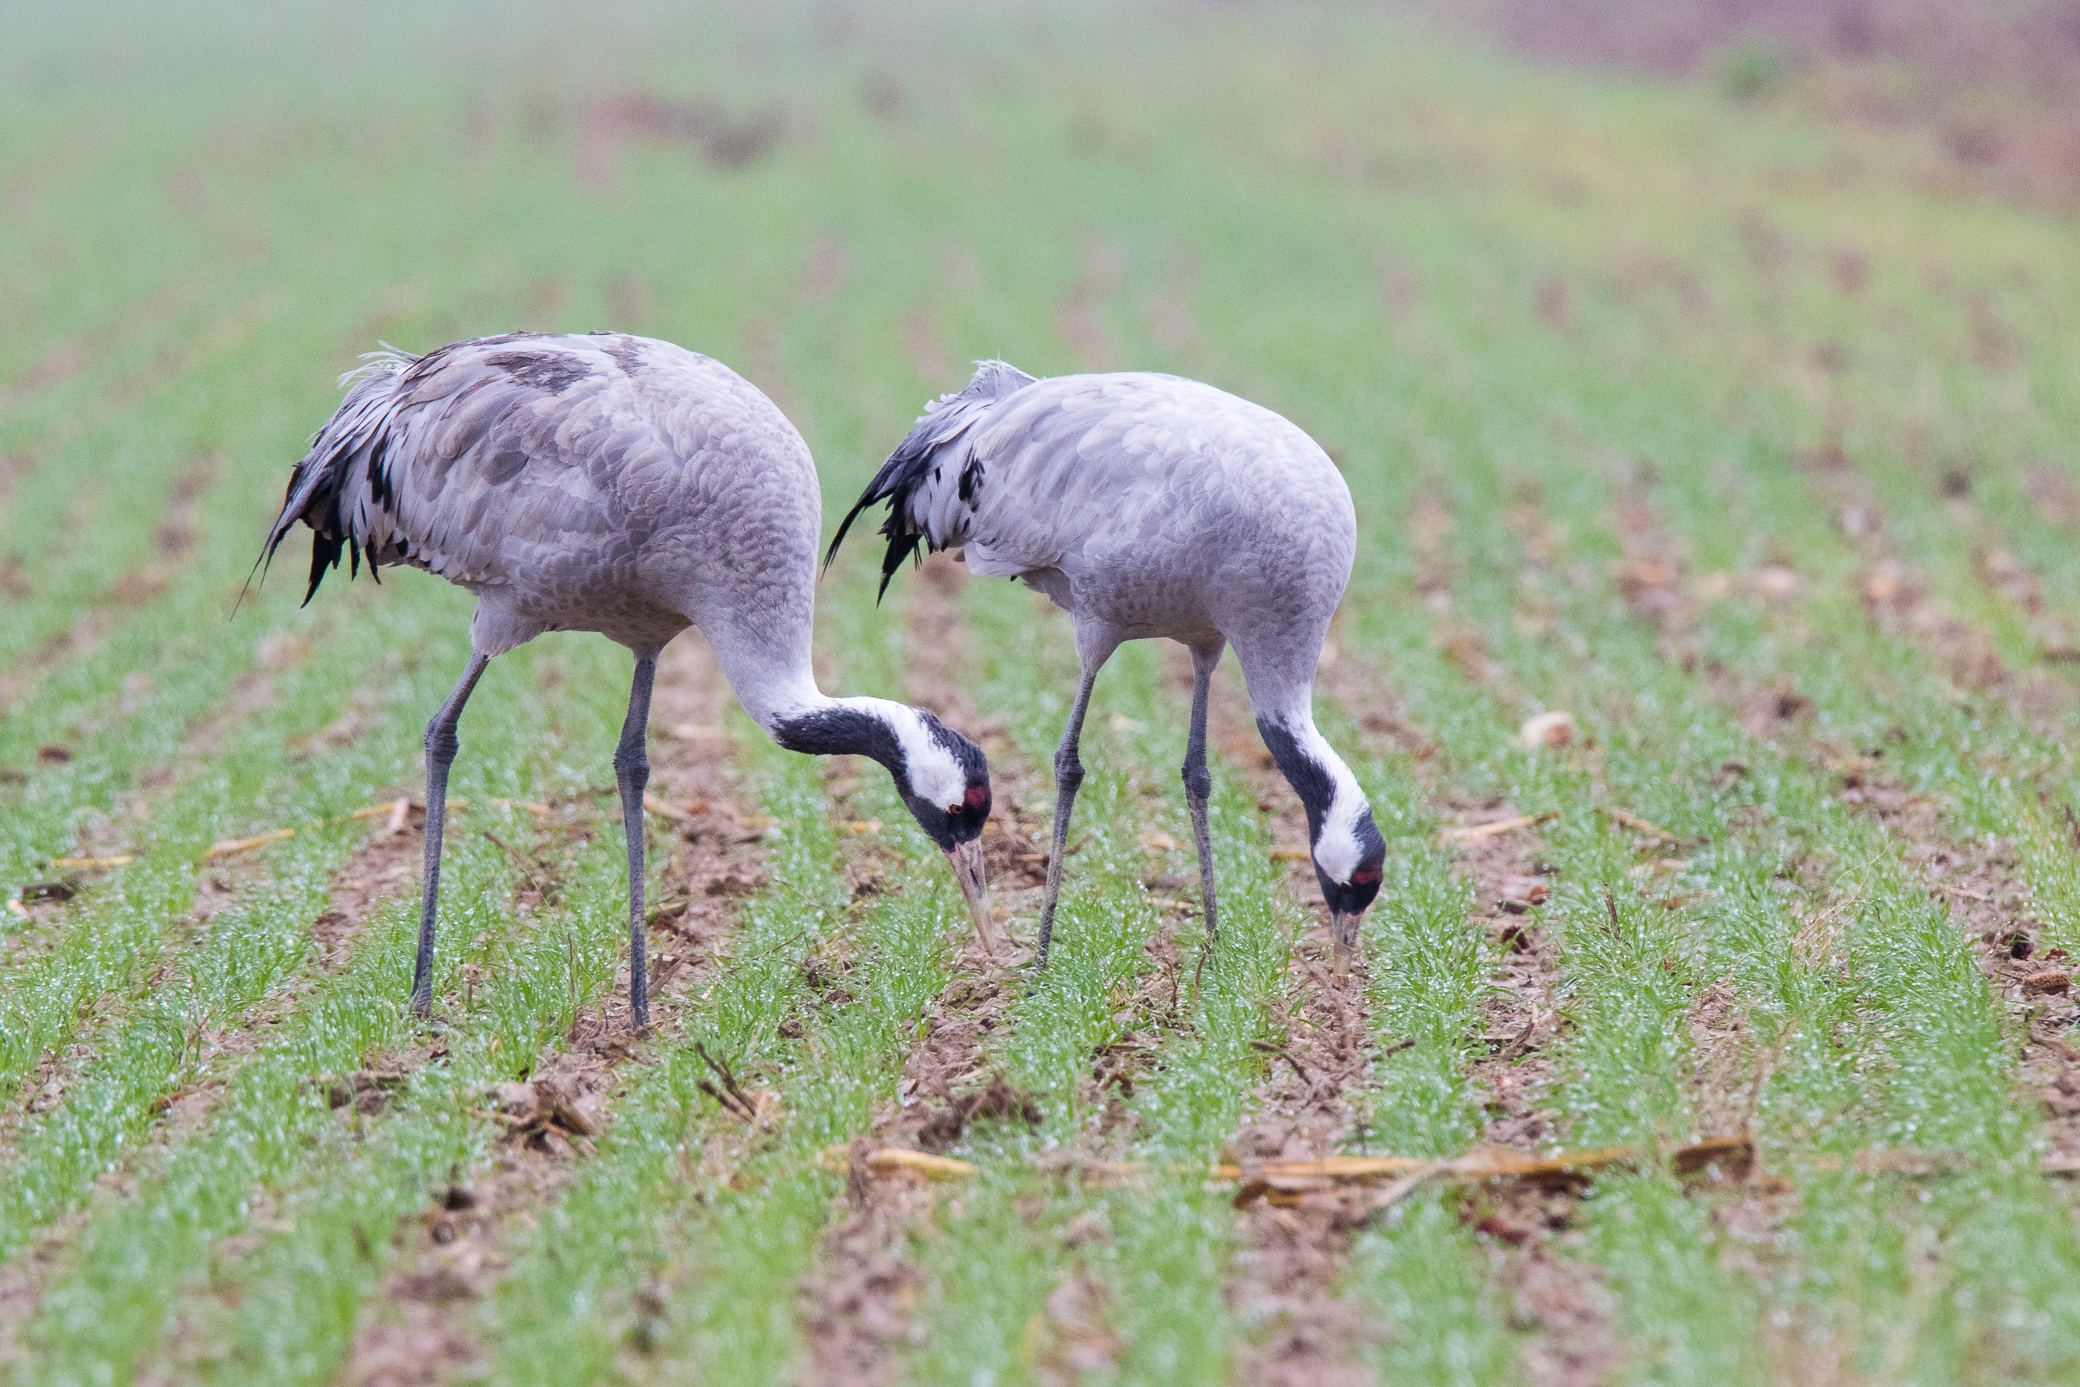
[172, 541]
[1283, 1284]
[378, 870]
[421, 1331]
[858, 1300]
[1556, 1298]
[1284, 1280]
[1014, 840]
[1555, 1295]
[1104, 270]
[1979, 880]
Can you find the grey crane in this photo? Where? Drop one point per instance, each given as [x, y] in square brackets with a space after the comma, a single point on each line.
[1151, 506]
[626, 486]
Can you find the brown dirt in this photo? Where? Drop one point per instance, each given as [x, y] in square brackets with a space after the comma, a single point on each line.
[935, 641]
[382, 867]
[762, 365]
[826, 270]
[1986, 894]
[1560, 1298]
[453, 1252]
[857, 1302]
[1168, 314]
[188, 351]
[858, 1299]
[63, 360]
[1285, 1274]
[371, 873]
[925, 345]
[1900, 600]
[1556, 1298]
[1980, 882]
[1977, 878]
[724, 141]
[1555, 1295]
[15, 467]
[1987, 88]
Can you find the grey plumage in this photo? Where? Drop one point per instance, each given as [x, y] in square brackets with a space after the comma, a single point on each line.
[626, 486]
[1152, 506]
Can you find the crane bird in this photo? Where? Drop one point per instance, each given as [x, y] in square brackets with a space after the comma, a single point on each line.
[1151, 506]
[626, 486]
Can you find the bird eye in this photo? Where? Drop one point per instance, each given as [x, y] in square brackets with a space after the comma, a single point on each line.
[955, 809]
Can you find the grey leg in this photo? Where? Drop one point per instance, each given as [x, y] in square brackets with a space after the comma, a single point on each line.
[1068, 774]
[632, 772]
[441, 745]
[1198, 782]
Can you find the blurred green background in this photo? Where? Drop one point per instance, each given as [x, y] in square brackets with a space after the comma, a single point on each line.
[1708, 370]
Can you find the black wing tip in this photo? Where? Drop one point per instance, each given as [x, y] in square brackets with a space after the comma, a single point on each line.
[830, 555]
[899, 477]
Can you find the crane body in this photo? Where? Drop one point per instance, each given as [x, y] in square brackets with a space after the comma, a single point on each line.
[1148, 506]
[623, 485]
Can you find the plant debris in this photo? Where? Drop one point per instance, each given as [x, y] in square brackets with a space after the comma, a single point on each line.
[1460, 833]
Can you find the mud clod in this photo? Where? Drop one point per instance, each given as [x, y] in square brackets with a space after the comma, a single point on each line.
[997, 1102]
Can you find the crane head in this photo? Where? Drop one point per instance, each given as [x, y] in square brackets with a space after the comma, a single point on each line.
[944, 781]
[943, 778]
[1348, 898]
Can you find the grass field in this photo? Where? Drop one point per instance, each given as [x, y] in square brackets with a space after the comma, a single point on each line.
[1745, 437]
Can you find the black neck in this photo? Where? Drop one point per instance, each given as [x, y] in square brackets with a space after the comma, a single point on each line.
[841, 731]
[1309, 778]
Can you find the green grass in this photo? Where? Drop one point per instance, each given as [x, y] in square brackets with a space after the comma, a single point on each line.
[1545, 320]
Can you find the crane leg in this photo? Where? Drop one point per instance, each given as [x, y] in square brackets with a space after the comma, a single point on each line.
[441, 745]
[1068, 774]
[1198, 782]
[632, 773]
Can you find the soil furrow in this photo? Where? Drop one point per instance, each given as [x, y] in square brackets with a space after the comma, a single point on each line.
[1979, 882]
[1103, 271]
[1283, 1284]
[1978, 878]
[380, 869]
[173, 540]
[1558, 1304]
[1556, 1296]
[857, 1301]
[422, 1330]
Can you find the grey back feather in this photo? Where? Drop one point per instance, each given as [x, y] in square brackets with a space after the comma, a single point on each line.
[598, 482]
[1147, 504]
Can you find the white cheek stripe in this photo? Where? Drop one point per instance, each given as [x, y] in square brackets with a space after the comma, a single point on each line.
[934, 774]
[1337, 852]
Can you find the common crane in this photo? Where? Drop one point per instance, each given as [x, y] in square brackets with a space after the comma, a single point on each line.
[626, 486]
[1151, 506]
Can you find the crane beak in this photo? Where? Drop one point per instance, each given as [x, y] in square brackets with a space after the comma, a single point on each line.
[1344, 928]
[974, 879]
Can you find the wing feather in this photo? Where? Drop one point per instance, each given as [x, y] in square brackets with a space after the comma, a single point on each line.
[915, 475]
[449, 460]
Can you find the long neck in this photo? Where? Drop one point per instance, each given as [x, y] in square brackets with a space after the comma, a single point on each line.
[778, 689]
[768, 670]
[776, 683]
[1336, 805]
